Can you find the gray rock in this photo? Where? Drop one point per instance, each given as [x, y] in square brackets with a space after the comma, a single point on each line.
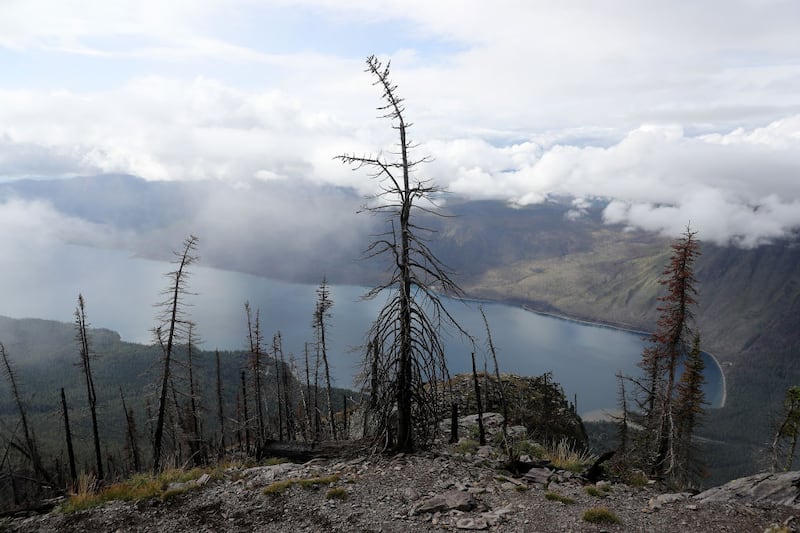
[263, 475]
[472, 523]
[410, 494]
[495, 516]
[762, 489]
[539, 476]
[656, 503]
[517, 432]
[484, 451]
[460, 501]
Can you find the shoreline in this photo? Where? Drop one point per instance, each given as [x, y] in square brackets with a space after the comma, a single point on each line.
[610, 325]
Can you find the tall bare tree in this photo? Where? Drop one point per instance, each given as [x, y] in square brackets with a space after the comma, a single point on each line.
[406, 333]
[321, 315]
[220, 415]
[173, 326]
[255, 340]
[82, 337]
[73, 473]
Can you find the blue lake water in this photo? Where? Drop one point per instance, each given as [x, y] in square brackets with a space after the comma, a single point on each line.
[121, 291]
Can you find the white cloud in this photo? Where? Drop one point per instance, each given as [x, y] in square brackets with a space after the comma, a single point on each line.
[681, 111]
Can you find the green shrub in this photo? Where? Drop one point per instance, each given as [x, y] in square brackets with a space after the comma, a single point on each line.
[600, 515]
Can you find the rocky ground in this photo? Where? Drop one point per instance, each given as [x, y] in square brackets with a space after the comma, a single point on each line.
[423, 492]
[459, 487]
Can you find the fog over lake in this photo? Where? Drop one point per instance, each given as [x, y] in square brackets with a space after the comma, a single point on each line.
[121, 291]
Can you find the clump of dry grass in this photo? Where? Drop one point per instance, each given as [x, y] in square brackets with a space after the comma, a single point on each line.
[138, 487]
[566, 456]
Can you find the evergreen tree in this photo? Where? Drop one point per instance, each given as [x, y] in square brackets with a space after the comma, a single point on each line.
[670, 344]
[688, 414]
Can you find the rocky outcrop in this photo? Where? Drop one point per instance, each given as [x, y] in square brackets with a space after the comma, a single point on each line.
[761, 489]
[537, 403]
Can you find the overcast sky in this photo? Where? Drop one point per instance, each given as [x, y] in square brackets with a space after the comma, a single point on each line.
[676, 111]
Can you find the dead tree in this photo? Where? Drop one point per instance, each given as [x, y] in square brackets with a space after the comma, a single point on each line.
[82, 337]
[307, 396]
[500, 385]
[31, 450]
[220, 415]
[73, 473]
[321, 314]
[131, 438]
[197, 444]
[478, 403]
[407, 329]
[275, 347]
[246, 420]
[255, 339]
[172, 327]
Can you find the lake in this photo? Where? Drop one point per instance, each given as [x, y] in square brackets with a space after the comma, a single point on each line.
[121, 291]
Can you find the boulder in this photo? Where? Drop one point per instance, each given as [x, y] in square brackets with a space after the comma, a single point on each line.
[761, 489]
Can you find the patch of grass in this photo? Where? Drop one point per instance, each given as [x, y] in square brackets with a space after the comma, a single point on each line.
[467, 447]
[556, 497]
[520, 488]
[601, 515]
[138, 487]
[775, 528]
[594, 491]
[336, 493]
[278, 487]
[169, 495]
[565, 456]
